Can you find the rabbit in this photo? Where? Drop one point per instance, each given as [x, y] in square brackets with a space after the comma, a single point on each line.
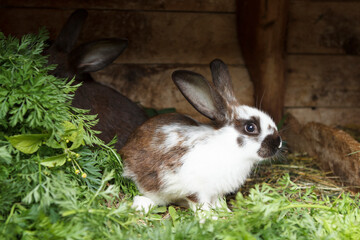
[116, 113]
[173, 158]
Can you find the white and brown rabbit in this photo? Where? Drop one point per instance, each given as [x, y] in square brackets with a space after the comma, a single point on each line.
[174, 158]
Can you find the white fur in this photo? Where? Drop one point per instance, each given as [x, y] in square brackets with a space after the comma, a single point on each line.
[216, 161]
[215, 164]
[246, 112]
[142, 203]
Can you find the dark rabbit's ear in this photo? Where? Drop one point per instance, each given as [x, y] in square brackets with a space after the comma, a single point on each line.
[222, 80]
[71, 31]
[201, 94]
[96, 55]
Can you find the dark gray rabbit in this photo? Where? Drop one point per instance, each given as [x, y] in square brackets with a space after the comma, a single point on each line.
[117, 114]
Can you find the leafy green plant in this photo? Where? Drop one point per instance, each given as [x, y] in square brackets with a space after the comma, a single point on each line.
[48, 150]
[31, 100]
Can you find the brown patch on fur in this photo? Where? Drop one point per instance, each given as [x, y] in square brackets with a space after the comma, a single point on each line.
[270, 145]
[217, 124]
[256, 120]
[173, 118]
[145, 157]
[240, 141]
[240, 126]
[229, 109]
[193, 197]
[171, 158]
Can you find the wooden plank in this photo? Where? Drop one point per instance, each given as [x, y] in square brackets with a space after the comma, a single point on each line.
[154, 37]
[151, 84]
[262, 38]
[323, 81]
[338, 1]
[159, 5]
[324, 27]
[327, 116]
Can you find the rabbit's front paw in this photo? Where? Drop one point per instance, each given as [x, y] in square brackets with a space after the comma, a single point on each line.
[142, 203]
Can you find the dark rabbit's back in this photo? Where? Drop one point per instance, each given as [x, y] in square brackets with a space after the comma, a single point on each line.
[116, 113]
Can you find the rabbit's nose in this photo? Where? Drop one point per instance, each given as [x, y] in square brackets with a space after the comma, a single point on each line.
[280, 142]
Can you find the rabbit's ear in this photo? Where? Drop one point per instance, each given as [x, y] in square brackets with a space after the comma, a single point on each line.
[201, 94]
[96, 55]
[222, 80]
[71, 31]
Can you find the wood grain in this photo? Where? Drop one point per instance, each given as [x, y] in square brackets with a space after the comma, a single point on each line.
[158, 5]
[323, 81]
[151, 84]
[328, 116]
[324, 27]
[154, 37]
[262, 28]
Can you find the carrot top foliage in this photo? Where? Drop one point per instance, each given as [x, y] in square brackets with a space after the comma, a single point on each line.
[48, 150]
[59, 181]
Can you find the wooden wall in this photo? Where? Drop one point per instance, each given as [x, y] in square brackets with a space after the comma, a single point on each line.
[163, 36]
[323, 58]
[322, 45]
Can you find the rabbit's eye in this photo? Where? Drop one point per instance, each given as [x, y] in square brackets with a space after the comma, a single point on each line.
[251, 128]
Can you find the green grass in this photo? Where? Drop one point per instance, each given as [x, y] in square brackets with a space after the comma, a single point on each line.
[285, 212]
[59, 181]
